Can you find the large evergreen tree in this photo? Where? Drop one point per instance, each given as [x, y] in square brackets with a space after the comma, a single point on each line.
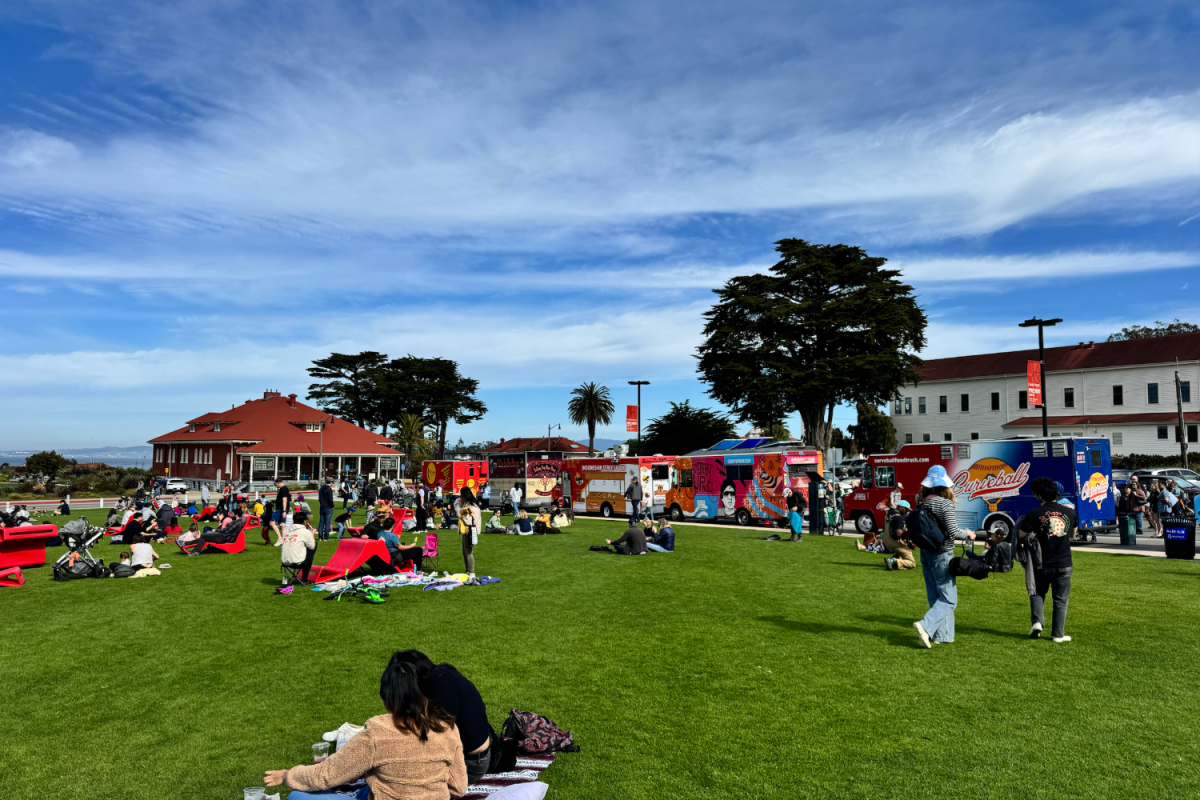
[827, 324]
[350, 388]
[684, 429]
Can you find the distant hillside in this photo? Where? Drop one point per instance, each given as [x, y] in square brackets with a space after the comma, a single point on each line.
[602, 444]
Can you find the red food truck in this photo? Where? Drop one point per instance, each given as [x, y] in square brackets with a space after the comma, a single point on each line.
[452, 476]
[741, 479]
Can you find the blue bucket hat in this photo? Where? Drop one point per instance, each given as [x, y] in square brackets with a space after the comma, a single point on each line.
[937, 477]
[904, 504]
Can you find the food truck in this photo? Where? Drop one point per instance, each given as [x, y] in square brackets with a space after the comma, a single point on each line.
[452, 476]
[741, 479]
[991, 481]
[598, 485]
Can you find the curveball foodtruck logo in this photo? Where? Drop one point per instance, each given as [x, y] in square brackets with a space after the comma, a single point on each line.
[991, 480]
[1095, 490]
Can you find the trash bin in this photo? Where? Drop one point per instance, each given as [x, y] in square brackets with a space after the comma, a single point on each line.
[1179, 537]
[1127, 529]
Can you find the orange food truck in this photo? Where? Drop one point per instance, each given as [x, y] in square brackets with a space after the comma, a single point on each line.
[452, 476]
[741, 479]
[598, 485]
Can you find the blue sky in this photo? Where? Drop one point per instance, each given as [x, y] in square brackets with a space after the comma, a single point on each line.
[197, 199]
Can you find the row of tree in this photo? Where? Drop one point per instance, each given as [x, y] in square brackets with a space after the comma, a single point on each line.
[414, 397]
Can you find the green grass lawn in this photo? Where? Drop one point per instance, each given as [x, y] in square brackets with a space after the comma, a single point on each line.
[732, 668]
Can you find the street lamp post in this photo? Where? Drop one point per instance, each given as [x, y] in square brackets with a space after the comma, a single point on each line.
[639, 385]
[548, 428]
[1040, 324]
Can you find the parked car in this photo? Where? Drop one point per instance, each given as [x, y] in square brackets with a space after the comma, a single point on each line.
[1121, 477]
[175, 485]
[1167, 472]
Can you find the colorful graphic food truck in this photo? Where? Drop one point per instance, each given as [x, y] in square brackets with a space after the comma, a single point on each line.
[991, 481]
[598, 485]
[452, 476]
[741, 479]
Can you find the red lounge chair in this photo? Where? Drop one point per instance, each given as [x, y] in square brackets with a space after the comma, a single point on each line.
[25, 545]
[252, 521]
[351, 554]
[236, 546]
[12, 577]
[114, 530]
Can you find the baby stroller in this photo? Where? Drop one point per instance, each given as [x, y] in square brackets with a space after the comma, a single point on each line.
[78, 561]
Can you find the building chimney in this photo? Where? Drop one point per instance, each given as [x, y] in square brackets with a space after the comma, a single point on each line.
[292, 400]
[267, 395]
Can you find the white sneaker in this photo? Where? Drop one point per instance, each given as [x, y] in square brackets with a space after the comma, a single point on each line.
[924, 636]
[1035, 631]
[1060, 639]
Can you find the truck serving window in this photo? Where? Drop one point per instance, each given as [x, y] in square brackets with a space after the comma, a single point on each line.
[797, 470]
[658, 472]
[885, 477]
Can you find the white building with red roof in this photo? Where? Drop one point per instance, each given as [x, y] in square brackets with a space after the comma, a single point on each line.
[1121, 391]
[275, 436]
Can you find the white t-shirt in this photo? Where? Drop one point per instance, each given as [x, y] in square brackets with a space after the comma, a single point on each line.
[142, 555]
[128, 515]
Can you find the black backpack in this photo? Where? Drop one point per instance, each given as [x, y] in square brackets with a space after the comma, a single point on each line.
[969, 565]
[924, 531]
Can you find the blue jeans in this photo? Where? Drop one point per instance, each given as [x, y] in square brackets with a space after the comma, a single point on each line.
[942, 593]
[1137, 521]
[361, 794]
[656, 548]
[325, 524]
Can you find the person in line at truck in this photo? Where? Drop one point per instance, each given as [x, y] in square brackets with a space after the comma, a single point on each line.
[937, 500]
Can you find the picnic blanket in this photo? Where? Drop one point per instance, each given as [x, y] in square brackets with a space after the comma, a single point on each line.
[529, 769]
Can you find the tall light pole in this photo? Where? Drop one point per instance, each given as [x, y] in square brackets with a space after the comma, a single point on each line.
[548, 427]
[1042, 323]
[321, 472]
[639, 385]
[1183, 448]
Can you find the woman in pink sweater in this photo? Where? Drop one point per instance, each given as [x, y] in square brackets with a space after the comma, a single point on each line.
[413, 752]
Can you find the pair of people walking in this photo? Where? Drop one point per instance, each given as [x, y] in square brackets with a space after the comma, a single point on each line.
[1043, 548]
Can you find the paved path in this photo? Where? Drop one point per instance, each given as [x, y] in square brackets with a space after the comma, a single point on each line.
[1146, 545]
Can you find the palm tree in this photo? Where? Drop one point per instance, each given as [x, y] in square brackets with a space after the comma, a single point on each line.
[590, 404]
[413, 434]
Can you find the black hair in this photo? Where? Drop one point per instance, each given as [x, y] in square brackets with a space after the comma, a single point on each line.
[422, 662]
[411, 710]
[467, 496]
[389, 523]
[1044, 489]
[300, 516]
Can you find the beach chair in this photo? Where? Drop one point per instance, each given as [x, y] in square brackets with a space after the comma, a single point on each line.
[429, 551]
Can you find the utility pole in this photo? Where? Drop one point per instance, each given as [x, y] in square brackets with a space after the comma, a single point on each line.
[1182, 428]
[548, 428]
[639, 385]
[1042, 323]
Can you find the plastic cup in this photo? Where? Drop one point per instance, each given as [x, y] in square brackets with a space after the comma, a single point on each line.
[320, 752]
[253, 793]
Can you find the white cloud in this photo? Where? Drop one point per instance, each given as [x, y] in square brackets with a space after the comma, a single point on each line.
[1050, 265]
[31, 151]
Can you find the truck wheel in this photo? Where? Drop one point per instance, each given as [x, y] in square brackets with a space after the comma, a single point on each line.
[606, 511]
[998, 524]
[742, 517]
[864, 523]
[676, 514]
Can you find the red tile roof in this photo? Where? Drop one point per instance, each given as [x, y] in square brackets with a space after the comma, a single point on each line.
[275, 425]
[555, 444]
[1105, 419]
[1184, 347]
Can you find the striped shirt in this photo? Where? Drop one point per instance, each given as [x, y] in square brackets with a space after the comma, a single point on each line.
[942, 510]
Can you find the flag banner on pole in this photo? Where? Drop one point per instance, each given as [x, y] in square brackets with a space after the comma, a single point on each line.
[1033, 379]
[631, 418]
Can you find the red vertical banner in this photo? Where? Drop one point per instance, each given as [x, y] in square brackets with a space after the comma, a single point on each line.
[1033, 380]
[631, 418]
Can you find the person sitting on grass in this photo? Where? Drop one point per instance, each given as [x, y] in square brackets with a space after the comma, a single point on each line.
[560, 518]
[494, 525]
[542, 523]
[413, 751]
[299, 547]
[343, 521]
[398, 551]
[632, 542]
[664, 540]
[64, 510]
[141, 554]
[114, 518]
[523, 524]
[449, 688]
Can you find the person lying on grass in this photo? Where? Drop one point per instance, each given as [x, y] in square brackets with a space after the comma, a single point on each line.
[632, 542]
[413, 752]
